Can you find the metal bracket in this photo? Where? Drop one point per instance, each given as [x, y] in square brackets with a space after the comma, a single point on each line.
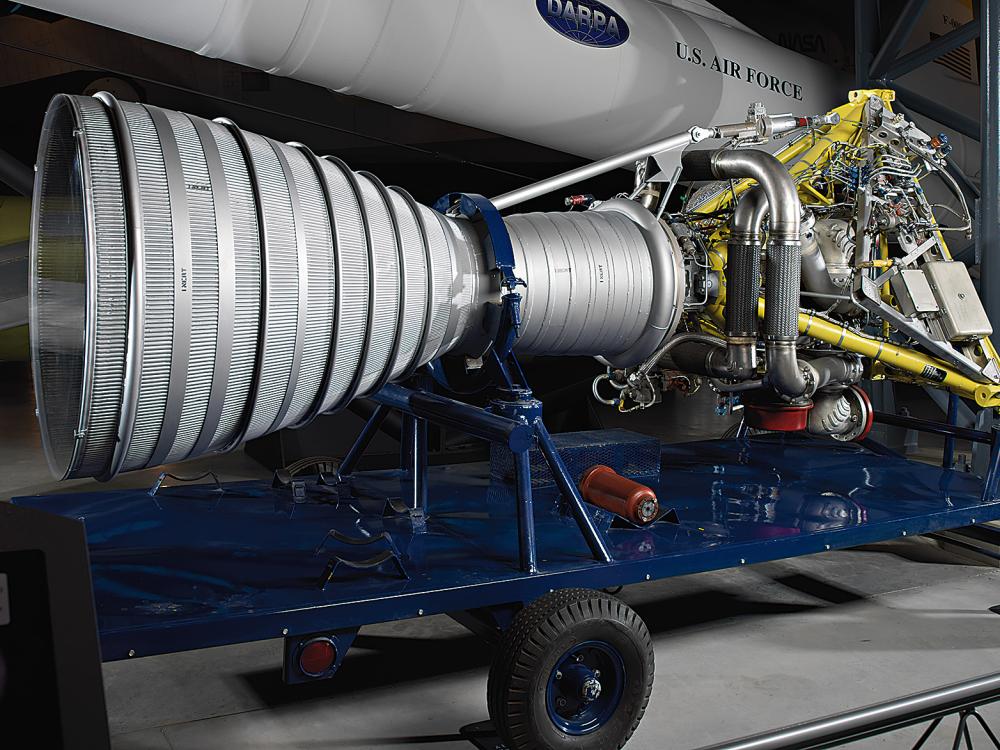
[868, 296]
[158, 484]
[368, 563]
[477, 207]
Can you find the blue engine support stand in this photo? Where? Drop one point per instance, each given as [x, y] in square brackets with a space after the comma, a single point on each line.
[514, 419]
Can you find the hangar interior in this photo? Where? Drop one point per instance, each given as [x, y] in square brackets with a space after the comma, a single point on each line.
[400, 433]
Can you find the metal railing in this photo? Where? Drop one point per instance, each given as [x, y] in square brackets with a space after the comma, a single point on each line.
[933, 706]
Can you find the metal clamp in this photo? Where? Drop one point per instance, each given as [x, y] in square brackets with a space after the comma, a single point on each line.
[477, 207]
[166, 474]
[506, 321]
[369, 563]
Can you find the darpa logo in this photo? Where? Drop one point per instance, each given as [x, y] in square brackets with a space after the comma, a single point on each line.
[591, 23]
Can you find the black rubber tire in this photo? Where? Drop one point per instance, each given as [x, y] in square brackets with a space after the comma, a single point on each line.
[539, 635]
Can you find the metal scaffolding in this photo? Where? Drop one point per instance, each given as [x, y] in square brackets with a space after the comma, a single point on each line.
[879, 64]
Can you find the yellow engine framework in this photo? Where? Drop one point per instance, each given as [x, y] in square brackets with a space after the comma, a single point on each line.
[805, 156]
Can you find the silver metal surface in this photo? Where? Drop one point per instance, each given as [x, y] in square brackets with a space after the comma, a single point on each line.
[199, 285]
[136, 243]
[841, 414]
[248, 287]
[595, 283]
[79, 287]
[180, 344]
[301, 281]
[234, 285]
[226, 247]
[962, 315]
[869, 296]
[913, 293]
[281, 334]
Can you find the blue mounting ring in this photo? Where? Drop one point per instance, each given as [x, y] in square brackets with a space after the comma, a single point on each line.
[507, 322]
[585, 687]
[478, 207]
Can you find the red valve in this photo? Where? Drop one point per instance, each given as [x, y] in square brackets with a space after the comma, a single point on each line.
[584, 199]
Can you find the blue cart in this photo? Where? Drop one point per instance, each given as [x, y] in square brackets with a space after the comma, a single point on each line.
[508, 548]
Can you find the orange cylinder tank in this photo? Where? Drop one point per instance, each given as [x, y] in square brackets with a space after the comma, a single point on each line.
[604, 487]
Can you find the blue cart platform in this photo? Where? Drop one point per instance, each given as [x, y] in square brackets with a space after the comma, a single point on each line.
[193, 566]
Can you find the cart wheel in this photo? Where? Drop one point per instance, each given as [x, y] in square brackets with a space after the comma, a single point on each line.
[574, 670]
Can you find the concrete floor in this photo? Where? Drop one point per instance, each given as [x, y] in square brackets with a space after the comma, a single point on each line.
[736, 651]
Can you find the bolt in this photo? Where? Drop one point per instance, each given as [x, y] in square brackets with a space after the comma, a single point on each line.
[648, 576]
[597, 673]
[826, 546]
[558, 675]
[284, 631]
[561, 702]
[420, 612]
[131, 652]
[742, 561]
[904, 533]
[578, 658]
[591, 690]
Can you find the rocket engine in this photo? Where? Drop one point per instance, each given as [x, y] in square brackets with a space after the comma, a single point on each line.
[194, 285]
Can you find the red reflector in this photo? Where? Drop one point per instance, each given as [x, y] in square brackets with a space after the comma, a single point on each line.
[317, 657]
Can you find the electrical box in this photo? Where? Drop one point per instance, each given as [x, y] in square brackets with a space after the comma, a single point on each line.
[963, 317]
[913, 292]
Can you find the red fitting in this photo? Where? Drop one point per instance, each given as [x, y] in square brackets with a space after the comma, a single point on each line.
[869, 413]
[579, 200]
[604, 487]
[777, 417]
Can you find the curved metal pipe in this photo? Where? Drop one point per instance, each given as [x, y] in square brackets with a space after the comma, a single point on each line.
[751, 210]
[699, 354]
[836, 370]
[774, 180]
[784, 258]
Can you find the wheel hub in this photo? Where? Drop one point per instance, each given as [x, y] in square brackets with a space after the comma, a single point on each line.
[585, 687]
[591, 690]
